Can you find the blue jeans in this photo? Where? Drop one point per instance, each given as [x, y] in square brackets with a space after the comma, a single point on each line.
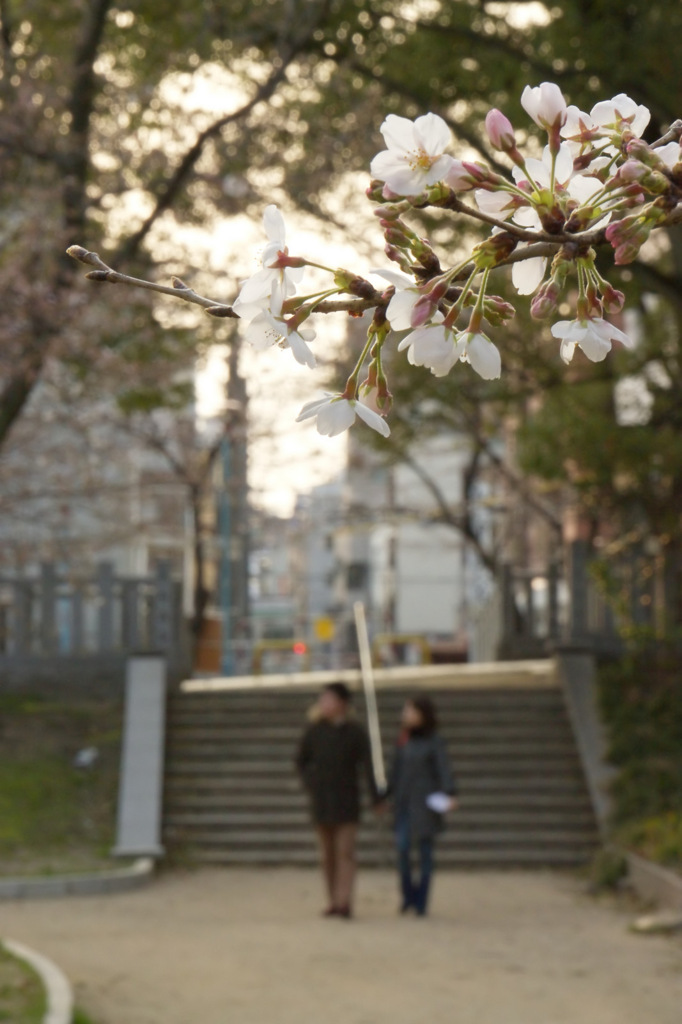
[415, 893]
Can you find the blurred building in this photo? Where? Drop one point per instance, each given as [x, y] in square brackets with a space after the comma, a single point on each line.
[376, 535]
[78, 491]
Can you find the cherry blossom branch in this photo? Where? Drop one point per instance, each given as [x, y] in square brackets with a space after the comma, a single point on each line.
[179, 289]
[673, 134]
[597, 183]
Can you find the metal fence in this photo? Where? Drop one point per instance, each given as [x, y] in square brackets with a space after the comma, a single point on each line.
[589, 602]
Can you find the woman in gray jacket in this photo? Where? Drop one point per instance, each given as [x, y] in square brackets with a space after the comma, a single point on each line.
[421, 769]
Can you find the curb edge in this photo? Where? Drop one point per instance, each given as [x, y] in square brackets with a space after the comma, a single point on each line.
[94, 884]
[58, 991]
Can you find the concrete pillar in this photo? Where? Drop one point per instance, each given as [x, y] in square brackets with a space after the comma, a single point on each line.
[142, 759]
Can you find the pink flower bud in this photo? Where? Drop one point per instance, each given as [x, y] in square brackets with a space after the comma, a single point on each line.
[375, 191]
[612, 299]
[626, 253]
[427, 304]
[500, 130]
[545, 300]
[478, 173]
[631, 170]
[497, 310]
[386, 212]
[459, 176]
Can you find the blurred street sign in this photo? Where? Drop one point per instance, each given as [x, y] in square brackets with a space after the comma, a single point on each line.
[324, 629]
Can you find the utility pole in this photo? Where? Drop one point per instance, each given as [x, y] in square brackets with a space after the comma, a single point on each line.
[233, 520]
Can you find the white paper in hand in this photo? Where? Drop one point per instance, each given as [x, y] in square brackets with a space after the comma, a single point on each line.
[439, 802]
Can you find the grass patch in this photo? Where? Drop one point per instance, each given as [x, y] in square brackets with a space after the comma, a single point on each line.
[81, 1017]
[641, 701]
[54, 816]
[22, 997]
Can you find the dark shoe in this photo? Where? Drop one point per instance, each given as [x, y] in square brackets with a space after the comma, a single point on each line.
[344, 912]
[406, 907]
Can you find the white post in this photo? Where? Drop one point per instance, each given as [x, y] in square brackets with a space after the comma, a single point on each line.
[141, 783]
[370, 695]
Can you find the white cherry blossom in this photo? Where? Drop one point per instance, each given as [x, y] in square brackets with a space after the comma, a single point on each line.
[269, 283]
[484, 356]
[612, 112]
[334, 414]
[439, 348]
[415, 155]
[606, 114]
[266, 330]
[592, 334]
[528, 274]
[545, 104]
[399, 309]
[432, 346]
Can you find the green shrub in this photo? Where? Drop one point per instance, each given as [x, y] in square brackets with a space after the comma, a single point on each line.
[641, 702]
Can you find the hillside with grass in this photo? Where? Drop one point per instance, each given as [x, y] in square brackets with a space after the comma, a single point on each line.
[57, 809]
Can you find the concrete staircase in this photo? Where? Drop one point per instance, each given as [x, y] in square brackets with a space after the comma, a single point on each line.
[232, 797]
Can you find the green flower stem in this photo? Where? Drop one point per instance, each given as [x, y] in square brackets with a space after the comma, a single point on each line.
[351, 389]
[457, 306]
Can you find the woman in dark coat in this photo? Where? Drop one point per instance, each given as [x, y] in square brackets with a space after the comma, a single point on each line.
[420, 770]
[333, 753]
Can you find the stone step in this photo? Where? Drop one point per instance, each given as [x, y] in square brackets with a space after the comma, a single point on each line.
[450, 705]
[471, 858]
[464, 767]
[456, 732]
[467, 818]
[283, 757]
[501, 783]
[232, 795]
[194, 799]
[297, 838]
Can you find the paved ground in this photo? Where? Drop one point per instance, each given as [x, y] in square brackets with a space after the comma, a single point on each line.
[247, 947]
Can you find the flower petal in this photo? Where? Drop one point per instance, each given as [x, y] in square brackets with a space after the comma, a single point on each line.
[264, 331]
[595, 347]
[372, 419]
[312, 408]
[273, 222]
[300, 350]
[432, 133]
[564, 163]
[399, 310]
[335, 417]
[398, 133]
[484, 356]
[528, 274]
[385, 164]
[567, 350]
[496, 204]
[570, 330]
[395, 277]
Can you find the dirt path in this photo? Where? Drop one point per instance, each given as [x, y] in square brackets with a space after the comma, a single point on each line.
[247, 947]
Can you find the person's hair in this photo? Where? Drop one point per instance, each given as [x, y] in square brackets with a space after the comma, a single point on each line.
[341, 691]
[427, 709]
